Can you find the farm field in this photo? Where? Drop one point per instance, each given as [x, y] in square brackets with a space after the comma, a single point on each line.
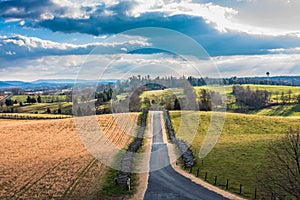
[240, 152]
[290, 109]
[44, 98]
[46, 159]
[41, 108]
[27, 116]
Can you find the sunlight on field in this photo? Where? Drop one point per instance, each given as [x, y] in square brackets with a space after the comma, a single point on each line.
[46, 159]
[240, 151]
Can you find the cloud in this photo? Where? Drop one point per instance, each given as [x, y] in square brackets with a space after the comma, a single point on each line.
[258, 65]
[43, 67]
[268, 17]
[27, 47]
[276, 15]
[124, 65]
[25, 9]
[221, 28]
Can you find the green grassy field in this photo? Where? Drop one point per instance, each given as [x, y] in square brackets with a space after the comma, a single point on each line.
[240, 152]
[45, 98]
[289, 110]
[277, 88]
[41, 108]
[169, 95]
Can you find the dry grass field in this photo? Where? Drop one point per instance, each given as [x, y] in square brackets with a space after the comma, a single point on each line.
[46, 159]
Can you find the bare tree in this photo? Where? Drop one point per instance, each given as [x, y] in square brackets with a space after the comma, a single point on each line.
[282, 171]
[290, 96]
[277, 96]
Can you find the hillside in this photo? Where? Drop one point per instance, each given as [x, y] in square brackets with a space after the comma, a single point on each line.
[240, 151]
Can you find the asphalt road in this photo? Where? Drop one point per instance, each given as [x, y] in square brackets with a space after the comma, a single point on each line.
[166, 183]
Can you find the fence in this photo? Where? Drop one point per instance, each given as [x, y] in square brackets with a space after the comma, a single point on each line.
[226, 185]
[185, 152]
[32, 116]
[124, 174]
[189, 165]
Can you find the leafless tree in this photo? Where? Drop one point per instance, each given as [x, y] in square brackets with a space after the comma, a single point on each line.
[282, 171]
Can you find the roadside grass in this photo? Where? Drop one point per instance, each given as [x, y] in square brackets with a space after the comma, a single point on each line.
[240, 151]
[110, 189]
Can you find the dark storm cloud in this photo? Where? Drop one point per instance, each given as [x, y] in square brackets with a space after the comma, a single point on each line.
[216, 43]
[108, 20]
[25, 9]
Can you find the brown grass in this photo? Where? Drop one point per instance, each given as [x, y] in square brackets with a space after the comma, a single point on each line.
[46, 159]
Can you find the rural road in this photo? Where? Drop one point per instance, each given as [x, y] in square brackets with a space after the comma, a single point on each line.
[166, 183]
[4, 99]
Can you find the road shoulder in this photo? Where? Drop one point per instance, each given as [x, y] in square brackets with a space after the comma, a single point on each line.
[144, 163]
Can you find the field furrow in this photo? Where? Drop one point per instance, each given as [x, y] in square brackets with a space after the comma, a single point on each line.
[46, 159]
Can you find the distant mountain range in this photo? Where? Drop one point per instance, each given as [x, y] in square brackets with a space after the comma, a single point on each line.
[68, 83]
[50, 82]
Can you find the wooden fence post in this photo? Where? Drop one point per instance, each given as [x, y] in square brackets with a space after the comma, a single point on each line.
[198, 172]
[128, 184]
[241, 188]
[215, 180]
[227, 184]
[205, 176]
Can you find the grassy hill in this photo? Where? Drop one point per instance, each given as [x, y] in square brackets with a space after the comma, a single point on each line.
[289, 109]
[240, 152]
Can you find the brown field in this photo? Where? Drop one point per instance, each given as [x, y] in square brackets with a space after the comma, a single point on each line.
[46, 159]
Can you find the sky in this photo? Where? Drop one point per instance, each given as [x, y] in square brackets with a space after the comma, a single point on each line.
[56, 39]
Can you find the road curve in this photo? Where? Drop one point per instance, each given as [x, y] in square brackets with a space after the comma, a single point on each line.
[166, 183]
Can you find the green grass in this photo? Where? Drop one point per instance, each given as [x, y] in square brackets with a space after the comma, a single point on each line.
[240, 150]
[288, 110]
[45, 98]
[41, 108]
[168, 95]
[158, 94]
[110, 189]
[276, 88]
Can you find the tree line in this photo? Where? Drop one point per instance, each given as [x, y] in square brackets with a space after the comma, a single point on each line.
[254, 99]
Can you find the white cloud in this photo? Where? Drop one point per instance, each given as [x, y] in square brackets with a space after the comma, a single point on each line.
[258, 65]
[23, 46]
[214, 14]
[268, 17]
[124, 65]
